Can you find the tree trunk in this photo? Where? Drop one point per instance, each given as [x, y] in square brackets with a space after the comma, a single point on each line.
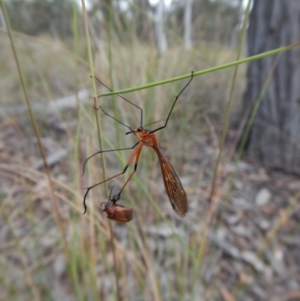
[187, 24]
[160, 31]
[275, 134]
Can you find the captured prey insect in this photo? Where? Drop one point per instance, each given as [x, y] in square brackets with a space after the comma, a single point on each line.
[115, 211]
[173, 186]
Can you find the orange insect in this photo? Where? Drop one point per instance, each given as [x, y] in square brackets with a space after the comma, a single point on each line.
[145, 137]
[117, 212]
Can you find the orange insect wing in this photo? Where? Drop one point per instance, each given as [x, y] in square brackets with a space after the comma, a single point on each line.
[173, 186]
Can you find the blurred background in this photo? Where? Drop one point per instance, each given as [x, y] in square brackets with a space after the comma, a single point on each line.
[245, 245]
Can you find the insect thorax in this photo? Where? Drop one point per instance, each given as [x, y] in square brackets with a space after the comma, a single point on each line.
[147, 138]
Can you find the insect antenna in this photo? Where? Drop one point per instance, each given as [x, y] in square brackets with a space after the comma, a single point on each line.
[141, 120]
[144, 125]
[163, 119]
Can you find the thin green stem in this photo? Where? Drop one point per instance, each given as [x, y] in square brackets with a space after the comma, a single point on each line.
[229, 105]
[213, 206]
[57, 215]
[205, 71]
[76, 264]
[100, 140]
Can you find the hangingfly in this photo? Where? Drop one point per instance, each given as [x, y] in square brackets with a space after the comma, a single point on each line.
[173, 186]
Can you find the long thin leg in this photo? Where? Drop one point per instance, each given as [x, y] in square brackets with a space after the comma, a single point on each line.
[136, 152]
[141, 123]
[192, 75]
[106, 151]
[135, 168]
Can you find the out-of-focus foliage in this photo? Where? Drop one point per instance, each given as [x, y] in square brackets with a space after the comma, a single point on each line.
[212, 20]
[124, 15]
[41, 16]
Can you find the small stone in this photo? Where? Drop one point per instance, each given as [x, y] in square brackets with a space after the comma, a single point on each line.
[263, 197]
